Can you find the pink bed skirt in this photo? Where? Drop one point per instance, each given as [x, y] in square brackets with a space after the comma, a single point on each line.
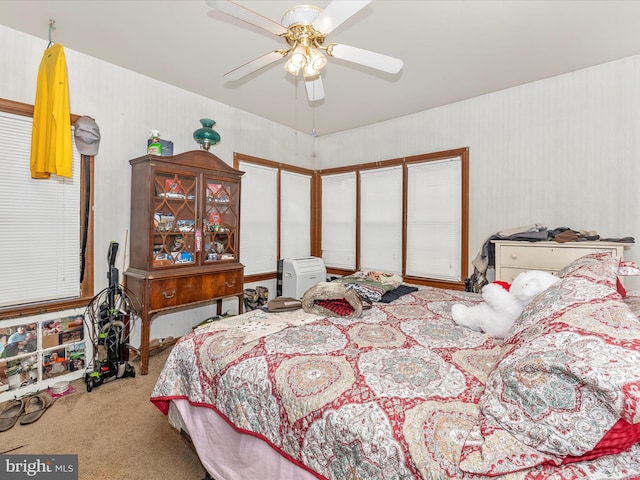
[230, 455]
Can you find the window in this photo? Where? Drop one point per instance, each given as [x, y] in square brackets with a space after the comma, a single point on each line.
[407, 216]
[276, 214]
[381, 219]
[259, 232]
[42, 230]
[339, 220]
[295, 208]
[434, 219]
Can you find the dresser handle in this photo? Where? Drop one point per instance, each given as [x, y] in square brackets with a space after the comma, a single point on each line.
[169, 295]
[514, 255]
[229, 285]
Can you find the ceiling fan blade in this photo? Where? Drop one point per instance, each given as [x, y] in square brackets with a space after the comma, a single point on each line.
[254, 65]
[315, 89]
[365, 57]
[336, 13]
[246, 15]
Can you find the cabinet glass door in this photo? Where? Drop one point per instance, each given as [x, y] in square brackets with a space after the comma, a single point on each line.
[174, 219]
[220, 222]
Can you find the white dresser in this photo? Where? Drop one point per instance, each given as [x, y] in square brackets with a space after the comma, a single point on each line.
[514, 257]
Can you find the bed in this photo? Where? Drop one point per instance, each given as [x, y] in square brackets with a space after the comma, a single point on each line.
[401, 392]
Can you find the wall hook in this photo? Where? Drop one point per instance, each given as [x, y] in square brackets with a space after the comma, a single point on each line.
[52, 27]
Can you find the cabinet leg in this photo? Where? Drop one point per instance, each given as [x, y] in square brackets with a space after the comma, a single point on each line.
[144, 343]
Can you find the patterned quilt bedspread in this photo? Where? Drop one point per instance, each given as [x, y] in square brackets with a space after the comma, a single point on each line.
[390, 395]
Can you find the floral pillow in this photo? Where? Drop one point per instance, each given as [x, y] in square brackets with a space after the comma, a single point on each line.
[569, 384]
[561, 298]
[626, 268]
[591, 278]
[600, 267]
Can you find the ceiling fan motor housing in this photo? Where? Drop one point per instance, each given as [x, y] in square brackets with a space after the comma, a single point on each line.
[300, 15]
[299, 24]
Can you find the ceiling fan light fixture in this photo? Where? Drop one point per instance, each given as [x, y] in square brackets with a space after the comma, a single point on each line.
[309, 72]
[290, 67]
[313, 67]
[298, 57]
[316, 59]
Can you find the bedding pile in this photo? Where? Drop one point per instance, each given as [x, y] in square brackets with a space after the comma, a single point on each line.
[371, 286]
[403, 393]
[333, 299]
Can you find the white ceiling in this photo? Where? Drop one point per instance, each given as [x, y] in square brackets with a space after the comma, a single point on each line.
[452, 50]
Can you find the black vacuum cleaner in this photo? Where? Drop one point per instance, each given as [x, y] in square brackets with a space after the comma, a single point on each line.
[108, 315]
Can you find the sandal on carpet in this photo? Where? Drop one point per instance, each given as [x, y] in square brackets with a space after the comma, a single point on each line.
[10, 413]
[34, 407]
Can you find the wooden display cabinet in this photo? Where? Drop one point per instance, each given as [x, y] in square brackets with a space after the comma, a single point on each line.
[185, 235]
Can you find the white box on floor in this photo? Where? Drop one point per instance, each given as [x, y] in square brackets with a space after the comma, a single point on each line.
[300, 274]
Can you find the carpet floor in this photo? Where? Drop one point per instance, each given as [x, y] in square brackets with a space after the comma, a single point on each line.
[115, 430]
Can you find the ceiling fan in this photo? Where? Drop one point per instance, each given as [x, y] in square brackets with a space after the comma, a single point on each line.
[305, 28]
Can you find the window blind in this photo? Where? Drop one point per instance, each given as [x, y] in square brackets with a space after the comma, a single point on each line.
[381, 219]
[434, 219]
[258, 231]
[40, 235]
[295, 215]
[339, 220]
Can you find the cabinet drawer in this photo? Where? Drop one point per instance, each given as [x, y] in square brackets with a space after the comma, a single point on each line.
[164, 293]
[177, 291]
[222, 284]
[528, 257]
[189, 290]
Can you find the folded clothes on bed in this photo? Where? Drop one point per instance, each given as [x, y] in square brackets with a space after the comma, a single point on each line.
[371, 286]
[397, 293]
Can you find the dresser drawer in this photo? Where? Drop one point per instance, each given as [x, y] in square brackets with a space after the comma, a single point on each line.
[514, 257]
[509, 274]
[530, 257]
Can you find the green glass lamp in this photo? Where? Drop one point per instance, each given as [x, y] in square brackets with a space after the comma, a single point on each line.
[206, 135]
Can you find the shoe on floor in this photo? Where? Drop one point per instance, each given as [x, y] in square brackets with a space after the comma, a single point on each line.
[10, 414]
[263, 295]
[34, 407]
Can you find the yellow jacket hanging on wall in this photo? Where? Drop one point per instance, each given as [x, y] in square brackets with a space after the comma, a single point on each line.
[51, 138]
